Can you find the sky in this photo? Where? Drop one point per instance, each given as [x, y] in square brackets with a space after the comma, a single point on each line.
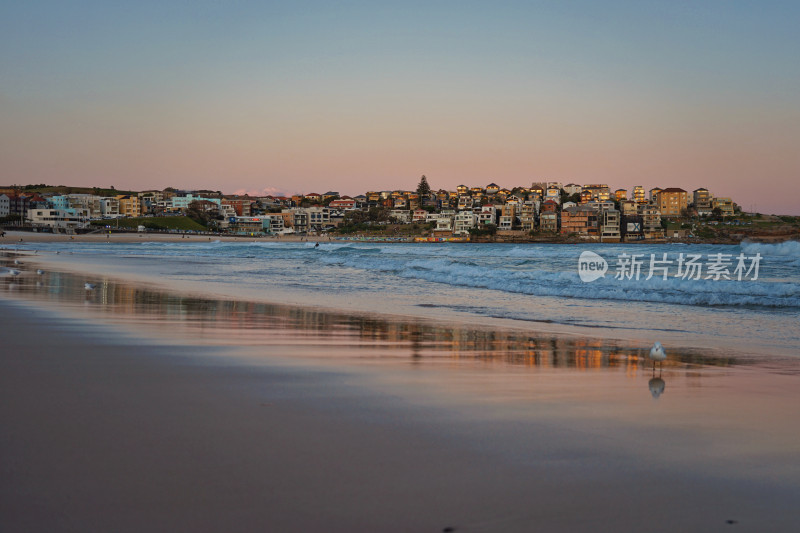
[298, 97]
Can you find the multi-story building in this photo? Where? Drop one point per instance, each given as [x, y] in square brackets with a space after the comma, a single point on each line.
[639, 195]
[58, 218]
[288, 220]
[319, 218]
[444, 224]
[348, 203]
[549, 221]
[672, 202]
[241, 204]
[400, 216]
[129, 205]
[18, 205]
[654, 193]
[271, 224]
[463, 222]
[181, 202]
[627, 207]
[109, 207]
[597, 205]
[487, 215]
[701, 197]
[527, 216]
[723, 204]
[330, 195]
[609, 226]
[600, 192]
[78, 202]
[299, 220]
[620, 194]
[572, 188]
[581, 220]
[5, 204]
[505, 222]
[651, 222]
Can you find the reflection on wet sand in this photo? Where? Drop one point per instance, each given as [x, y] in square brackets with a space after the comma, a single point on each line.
[720, 409]
[232, 322]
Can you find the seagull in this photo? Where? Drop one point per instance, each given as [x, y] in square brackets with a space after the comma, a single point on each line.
[40, 271]
[16, 261]
[89, 286]
[657, 353]
[13, 272]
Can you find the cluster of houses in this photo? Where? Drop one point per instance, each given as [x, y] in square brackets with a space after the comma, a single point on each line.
[590, 211]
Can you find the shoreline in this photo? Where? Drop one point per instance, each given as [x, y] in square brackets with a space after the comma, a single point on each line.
[89, 270]
[13, 236]
[98, 267]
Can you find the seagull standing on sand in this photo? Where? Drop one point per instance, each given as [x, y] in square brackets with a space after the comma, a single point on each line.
[657, 353]
[89, 286]
[40, 271]
[13, 272]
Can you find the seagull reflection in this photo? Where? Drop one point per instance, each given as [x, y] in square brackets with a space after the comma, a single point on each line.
[656, 386]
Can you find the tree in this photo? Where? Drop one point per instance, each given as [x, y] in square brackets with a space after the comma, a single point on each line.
[197, 212]
[423, 189]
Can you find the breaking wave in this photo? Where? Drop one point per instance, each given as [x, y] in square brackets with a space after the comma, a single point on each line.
[523, 277]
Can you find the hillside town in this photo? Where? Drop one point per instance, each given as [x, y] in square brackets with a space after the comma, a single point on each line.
[547, 210]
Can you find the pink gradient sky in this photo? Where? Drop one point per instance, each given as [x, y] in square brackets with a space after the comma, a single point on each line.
[359, 97]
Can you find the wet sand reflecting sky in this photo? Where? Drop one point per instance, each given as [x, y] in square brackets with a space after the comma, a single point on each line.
[729, 415]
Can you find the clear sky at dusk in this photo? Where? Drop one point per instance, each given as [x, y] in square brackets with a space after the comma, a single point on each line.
[356, 96]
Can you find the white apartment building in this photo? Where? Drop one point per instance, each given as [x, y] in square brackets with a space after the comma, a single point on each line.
[58, 218]
[463, 222]
[109, 207]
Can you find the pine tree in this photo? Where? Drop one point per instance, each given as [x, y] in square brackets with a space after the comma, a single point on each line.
[423, 189]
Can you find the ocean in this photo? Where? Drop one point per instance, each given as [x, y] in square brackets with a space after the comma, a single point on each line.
[743, 298]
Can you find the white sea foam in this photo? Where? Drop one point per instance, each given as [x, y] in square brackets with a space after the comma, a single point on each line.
[786, 249]
[535, 270]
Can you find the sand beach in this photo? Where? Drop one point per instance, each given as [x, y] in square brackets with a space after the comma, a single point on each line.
[133, 407]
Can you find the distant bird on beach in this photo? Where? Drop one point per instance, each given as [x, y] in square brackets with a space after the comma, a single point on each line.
[657, 353]
[89, 286]
[16, 261]
[14, 272]
[40, 271]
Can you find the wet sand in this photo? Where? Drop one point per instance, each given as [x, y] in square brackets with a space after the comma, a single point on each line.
[12, 237]
[133, 409]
